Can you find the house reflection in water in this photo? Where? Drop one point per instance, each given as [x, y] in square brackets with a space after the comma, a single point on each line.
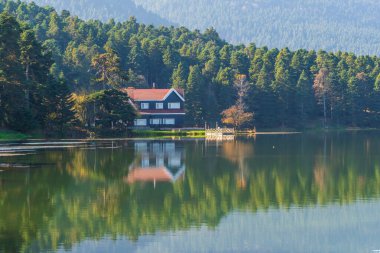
[157, 162]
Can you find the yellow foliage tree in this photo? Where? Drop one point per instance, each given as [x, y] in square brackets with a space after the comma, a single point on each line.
[236, 116]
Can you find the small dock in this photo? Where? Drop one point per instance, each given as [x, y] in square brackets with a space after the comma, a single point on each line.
[247, 132]
[220, 133]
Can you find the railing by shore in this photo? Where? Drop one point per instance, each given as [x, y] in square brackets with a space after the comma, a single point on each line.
[220, 133]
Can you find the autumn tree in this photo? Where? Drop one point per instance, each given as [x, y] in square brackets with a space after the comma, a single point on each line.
[236, 115]
[322, 87]
[107, 69]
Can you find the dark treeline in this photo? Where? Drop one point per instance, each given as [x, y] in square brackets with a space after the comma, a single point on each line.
[287, 89]
[30, 97]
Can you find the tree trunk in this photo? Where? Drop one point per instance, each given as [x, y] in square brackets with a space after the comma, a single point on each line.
[27, 92]
[94, 115]
[2, 113]
[324, 110]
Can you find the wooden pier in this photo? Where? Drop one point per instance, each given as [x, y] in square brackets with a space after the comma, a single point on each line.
[220, 133]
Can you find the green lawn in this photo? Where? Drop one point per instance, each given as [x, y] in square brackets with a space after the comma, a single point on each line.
[11, 135]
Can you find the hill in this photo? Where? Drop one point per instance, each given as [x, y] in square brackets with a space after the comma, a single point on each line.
[347, 25]
[120, 10]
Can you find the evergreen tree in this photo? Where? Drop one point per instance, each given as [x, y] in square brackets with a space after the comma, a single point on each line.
[224, 88]
[59, 105]
[31, 59]
[15, 113]
[304, 98]
[283, 87]
[136, 59]
[107, 111]
[225, 56]
[264, 103]
[179, 78]
[240, 62]
[194, 97]
[107, 68]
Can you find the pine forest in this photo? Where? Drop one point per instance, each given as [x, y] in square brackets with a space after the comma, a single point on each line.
[55, 66]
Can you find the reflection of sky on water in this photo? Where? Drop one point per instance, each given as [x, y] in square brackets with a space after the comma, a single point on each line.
[332, 229]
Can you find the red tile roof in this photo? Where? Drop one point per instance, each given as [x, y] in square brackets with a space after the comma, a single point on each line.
[149, 174]
[149, 94]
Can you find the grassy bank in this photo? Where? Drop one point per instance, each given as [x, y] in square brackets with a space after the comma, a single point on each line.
[167, 133]
[11, 135]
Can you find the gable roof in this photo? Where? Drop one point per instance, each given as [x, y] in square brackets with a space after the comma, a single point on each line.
[152, 94]
[151, 174]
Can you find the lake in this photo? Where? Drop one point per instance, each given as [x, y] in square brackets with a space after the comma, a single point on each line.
[269, 193]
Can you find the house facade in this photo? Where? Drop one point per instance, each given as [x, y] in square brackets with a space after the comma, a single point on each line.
[157, 161]
[158, 108]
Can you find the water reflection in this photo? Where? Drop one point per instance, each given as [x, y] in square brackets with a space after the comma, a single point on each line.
[157, 162]
[102, 191]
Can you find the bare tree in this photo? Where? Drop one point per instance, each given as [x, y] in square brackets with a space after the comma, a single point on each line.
[236, 115]
[242, 87]
[322, 86]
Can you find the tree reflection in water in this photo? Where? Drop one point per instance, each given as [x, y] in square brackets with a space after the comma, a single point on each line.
[90, 193]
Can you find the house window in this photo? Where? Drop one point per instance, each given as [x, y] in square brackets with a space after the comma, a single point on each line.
[159, 105]
[160, 160]
[141, 146]
[155, 121]
[156, 147]
[140, 122]
[144, 106]
[174, 105]
[145, 162]
[169, 147]
[169, 121]
[175, 160]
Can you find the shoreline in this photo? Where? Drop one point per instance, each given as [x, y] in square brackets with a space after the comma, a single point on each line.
[7, 135]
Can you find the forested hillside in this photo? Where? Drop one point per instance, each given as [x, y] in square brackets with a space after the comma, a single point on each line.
[286, 88]
[120, 10]
[348, 25]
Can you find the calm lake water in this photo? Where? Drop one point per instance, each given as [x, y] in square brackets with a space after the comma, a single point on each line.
[272, 193]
